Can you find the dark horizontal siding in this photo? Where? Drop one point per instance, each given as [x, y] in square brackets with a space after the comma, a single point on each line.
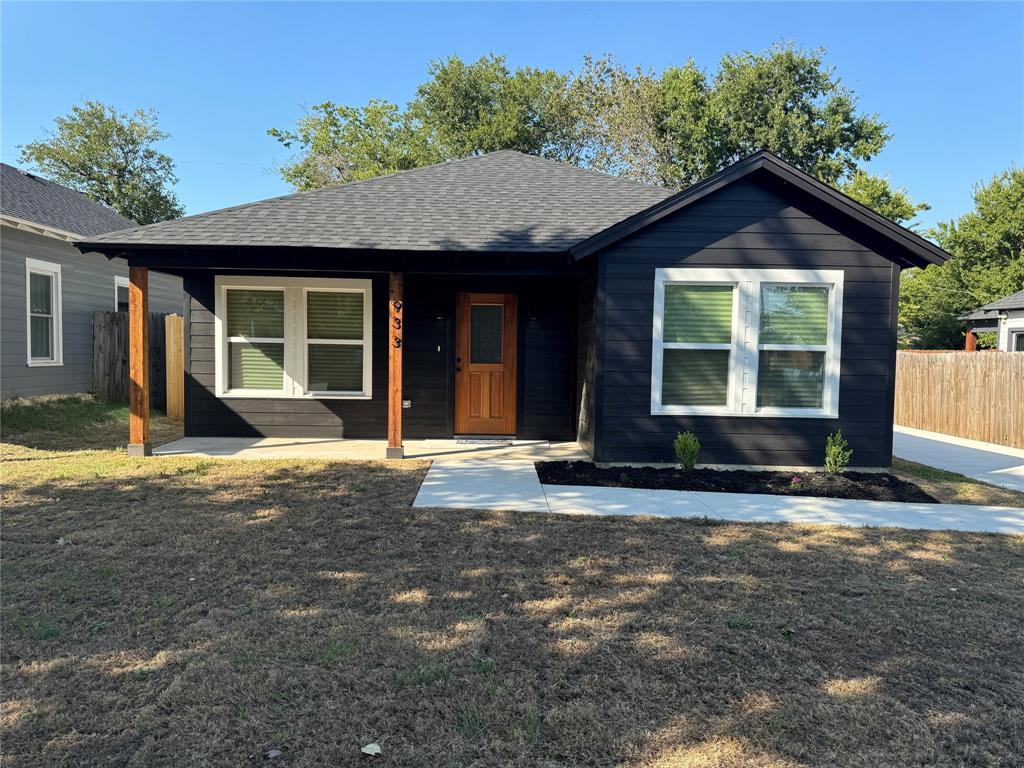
[210, 416]
[747, 225]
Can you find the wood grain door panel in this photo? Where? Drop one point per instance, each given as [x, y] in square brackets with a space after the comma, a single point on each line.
[485, 364]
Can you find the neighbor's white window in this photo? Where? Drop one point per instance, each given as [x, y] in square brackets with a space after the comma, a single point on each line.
[120, 294]
[293, 337]
[43, 309]
[746, 342]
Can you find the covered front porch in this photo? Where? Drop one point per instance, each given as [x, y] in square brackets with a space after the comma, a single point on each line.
[426, 377]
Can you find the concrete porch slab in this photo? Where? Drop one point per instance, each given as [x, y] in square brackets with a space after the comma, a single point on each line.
[364, 450]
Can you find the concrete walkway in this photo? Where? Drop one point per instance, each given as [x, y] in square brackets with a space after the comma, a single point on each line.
[994, 464]
[514, 485]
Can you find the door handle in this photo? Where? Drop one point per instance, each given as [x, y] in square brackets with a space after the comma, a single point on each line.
[458, 369]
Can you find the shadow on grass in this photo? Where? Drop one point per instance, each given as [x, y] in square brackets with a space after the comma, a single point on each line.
[182, 611]
[75, 423]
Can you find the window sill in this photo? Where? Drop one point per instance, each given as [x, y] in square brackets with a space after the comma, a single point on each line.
[764, 413]
[45, 363]
[274, 395]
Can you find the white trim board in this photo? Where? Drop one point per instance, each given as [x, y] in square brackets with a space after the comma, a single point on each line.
[51, 270]
[744, 345]
[294, 340]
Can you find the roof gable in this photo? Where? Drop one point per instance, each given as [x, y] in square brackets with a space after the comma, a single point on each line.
[35, 200]
[915, 250]
[503, 201]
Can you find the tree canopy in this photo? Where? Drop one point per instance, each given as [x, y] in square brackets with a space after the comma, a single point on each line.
[987, 249]
[671, 129]
[110, 157]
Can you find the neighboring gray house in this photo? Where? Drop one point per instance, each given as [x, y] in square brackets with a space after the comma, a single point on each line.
[49, 291]
[1004, 317]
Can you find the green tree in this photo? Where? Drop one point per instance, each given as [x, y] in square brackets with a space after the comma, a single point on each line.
[876, 193]
[110, 157]
[340, 144]
[987, 249]
[483, 107]
[683, 126]
[672, 129]
[462, 109]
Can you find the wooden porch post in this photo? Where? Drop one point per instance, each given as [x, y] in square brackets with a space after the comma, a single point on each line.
[138, 361]
[396, 300]
[971, 343]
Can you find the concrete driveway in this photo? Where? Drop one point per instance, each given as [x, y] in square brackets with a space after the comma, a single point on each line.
[994, 464]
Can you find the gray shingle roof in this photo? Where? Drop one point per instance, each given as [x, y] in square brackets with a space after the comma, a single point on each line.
[502, 201]
[35, 199]
[1013, 301]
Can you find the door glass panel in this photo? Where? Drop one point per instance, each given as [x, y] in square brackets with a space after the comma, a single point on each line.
[485, 321]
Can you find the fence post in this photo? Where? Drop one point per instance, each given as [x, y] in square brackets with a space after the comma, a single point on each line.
[174, 333]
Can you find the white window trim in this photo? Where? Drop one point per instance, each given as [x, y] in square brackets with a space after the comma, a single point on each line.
[51, 270]
[744, 348]
[119, 282]
[295, 342]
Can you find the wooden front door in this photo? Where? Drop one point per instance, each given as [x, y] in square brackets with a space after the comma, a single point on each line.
[485, 364]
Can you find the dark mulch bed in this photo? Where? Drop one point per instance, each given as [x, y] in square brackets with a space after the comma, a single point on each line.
[873, 486]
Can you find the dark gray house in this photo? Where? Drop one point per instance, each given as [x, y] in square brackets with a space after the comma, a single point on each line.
[50, 290]
[1003, 317]
[509, 295]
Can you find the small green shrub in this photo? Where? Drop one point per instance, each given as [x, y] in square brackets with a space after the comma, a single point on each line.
[686, 446]
[837, 453]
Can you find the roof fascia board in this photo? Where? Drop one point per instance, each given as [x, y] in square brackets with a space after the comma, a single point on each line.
[39, 229]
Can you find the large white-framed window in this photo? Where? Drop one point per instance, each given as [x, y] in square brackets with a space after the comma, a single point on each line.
[44, 331]
[293, 337]
[120, 293]
[746, 342]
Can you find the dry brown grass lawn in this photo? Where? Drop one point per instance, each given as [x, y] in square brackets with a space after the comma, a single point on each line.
[167, 612]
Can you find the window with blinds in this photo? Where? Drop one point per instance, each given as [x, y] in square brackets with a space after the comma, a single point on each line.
[293, 337]
[43, 299]
[791, 346]
[334, 341]
[255, 331]
[697, 339]
[746, 342]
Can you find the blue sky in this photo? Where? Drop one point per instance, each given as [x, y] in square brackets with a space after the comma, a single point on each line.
[948, 77]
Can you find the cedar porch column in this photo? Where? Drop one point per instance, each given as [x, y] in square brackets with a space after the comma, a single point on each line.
[395, 313]
[138, 361]
[971, 342]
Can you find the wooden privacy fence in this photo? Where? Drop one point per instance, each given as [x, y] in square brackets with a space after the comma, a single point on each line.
[975, 395]
[110, 359]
